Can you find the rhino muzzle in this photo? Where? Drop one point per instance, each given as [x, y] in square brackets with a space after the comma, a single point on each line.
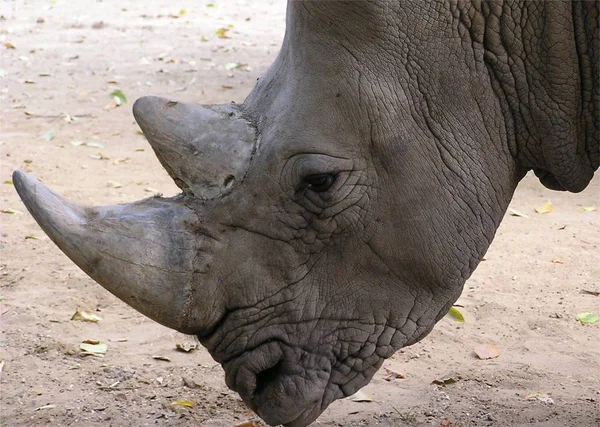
[153, 254]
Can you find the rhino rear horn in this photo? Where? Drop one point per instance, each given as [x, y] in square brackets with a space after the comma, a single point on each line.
[141, 252]
[205, 149]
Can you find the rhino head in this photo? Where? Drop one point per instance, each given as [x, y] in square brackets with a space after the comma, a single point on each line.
[335, 215]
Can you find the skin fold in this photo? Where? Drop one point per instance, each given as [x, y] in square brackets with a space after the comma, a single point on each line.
[334, 216]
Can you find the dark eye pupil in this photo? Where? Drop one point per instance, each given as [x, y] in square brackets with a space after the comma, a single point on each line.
[319, 183]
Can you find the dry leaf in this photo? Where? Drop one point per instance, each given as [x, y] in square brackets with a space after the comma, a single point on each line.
[10, 211]
[445, 381]
[31, 237]
[151, 190]
[360, 396]
[595, 293]
[93, 348]
[542, 397]
[486, 351]
[186, 348]
[185, 403]
[163, 358]
[393, 375]
[514, 212]
[247, 424]
[557, 261]
[86, 316]
[588, 208]
[9, 45]
[544, 209]
[114, 184]
[222, 33]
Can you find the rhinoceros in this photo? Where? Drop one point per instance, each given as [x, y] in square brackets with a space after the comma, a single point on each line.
[334, 216]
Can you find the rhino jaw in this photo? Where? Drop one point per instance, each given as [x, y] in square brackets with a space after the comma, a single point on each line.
[143, 252]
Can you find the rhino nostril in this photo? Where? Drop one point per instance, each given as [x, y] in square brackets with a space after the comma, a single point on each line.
[266, 377]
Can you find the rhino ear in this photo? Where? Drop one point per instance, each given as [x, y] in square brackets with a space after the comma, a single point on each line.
[205, 149]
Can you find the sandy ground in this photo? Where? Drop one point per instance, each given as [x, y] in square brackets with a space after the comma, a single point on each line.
[67, 57]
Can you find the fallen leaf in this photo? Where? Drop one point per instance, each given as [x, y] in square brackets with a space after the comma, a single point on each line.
[93, 348]
[486, 351]
[114, 184]
[99, 156]
[28, 161]
[123, 160]
[212, 5]
[86, 316]
[77, 143]
[8, 182]
[544, 209]
[360, 396]
[542, 397]
[588, 208]
[118, 97]
[9, 45]
[190, 383]
[456, 315]
[514, 212]
[163, 358]
[222, 33]
[595, 293]
[48, 136]
[446, 422]
[11, 211]
[185, 403]
[45, 407]
[186, 348]
[445, 381]
[151, 190]
[587, 318]
[557, 261]
[393, 375]
[31, 237]
[29, 82]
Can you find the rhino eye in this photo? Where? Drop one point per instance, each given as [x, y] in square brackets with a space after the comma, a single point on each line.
[319, 182]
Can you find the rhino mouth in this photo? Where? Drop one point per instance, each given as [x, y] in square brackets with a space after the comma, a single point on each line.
[272, 381]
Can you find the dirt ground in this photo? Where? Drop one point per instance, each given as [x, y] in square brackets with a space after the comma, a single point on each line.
[60, 61]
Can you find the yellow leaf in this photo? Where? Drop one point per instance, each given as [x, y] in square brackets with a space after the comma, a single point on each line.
[222, 33]
[456, 315]
[546, 208]
[360, 396]
[86, 316]
[185, 403]
[588, 208]
[98, 349]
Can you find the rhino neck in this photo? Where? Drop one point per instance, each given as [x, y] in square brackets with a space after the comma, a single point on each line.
[543, 63]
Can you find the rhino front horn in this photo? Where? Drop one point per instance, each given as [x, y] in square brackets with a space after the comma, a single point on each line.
[141, 252]
[205, 149]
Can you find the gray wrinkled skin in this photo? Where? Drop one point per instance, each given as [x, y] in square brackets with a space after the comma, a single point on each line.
[423, 115]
